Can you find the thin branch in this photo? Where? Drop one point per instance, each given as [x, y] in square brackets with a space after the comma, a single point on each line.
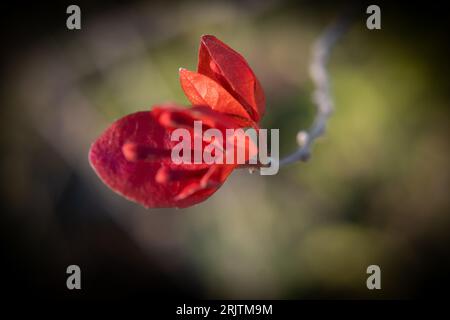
[322, 94]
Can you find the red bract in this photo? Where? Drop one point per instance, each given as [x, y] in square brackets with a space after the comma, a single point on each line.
[219, 62]
[202, 90]
[133, 156]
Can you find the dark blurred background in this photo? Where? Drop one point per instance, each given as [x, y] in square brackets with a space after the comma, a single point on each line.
[374, 192]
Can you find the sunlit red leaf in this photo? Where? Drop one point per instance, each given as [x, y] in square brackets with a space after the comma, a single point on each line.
[201, 90]
[227, 67]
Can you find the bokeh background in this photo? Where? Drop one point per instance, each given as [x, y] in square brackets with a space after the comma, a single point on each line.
[374, 192]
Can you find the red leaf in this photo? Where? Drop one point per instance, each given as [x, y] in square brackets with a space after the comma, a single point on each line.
[227, 67]
[201, 90]
[132, 157]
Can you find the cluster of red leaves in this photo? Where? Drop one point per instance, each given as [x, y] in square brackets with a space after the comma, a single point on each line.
[133, 156]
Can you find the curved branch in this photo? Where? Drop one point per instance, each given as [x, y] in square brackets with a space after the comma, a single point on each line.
[322, 94]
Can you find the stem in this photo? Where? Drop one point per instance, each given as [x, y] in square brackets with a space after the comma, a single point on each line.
[322, 94]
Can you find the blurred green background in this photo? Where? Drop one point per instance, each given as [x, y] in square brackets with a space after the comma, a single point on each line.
[374, 192]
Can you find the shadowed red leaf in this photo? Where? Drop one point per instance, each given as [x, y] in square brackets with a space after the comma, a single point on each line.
[133, 158]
